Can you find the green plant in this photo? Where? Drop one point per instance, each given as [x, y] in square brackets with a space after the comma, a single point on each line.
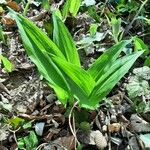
[71, 7]
[93, 29]
[59, 63]
[2, 37]
[140, 45]
[6, 64]
[29, 142]
[115, 24]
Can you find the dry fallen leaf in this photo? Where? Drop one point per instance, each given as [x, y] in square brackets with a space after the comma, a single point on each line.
[3, 134]
[114, 127]
[13, 5]
[8, 22]
[134, 143]
[65, 143]
[138, 124]
[97, 138]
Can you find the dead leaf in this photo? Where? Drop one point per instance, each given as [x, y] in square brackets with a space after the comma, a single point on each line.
[65, 143]
[13, 5]
[97, 138]
[93, 138]
[138, 124]
[50, 134]
[3, 88]
[116, 140]
[3, 148]
[114, 127]
[8, 22]
[3, 133]
[146, 140]
[134, 143]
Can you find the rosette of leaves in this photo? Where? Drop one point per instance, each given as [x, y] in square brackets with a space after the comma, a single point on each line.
[58, 62]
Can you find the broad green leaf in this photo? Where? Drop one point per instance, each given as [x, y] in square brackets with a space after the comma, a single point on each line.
[71, 6]
[74, 7]
[78, 75]
[20, 143]
[29, 142]
[58, 14]
[29, 28]
[103, 63]
[64, 41]
[45, 65]
[27, 125]
[93, 29]
[140, 45]
[39, 48]
[33, 139]
[79, 81]
[46, 4]
[111, 77]
[147, 61]
[62, 95]
[8, 66]
[15, 122]
[65, 9]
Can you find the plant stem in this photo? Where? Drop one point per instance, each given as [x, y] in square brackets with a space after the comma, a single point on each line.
[26, 7]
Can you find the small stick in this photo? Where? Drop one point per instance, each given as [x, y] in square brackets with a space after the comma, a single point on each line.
[4, 88]
[126, 30]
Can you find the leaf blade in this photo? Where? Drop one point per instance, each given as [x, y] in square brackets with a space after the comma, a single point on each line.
[106, 60]
[114, 74]
[64, 41]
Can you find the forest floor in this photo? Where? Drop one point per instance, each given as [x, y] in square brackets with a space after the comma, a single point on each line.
[31, 117]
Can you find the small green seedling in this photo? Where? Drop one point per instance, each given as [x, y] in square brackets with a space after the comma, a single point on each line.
[93, 29]
[116, 28]
[29, 142]
[71, 7]
[6, 64]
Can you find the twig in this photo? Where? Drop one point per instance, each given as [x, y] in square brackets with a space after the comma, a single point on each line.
[131, 23]
[128, 99]
[104, 6]
[14, 131]
[4, 88]
[60, 3]
[39, 16]
[41, 145]
[26, 8]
